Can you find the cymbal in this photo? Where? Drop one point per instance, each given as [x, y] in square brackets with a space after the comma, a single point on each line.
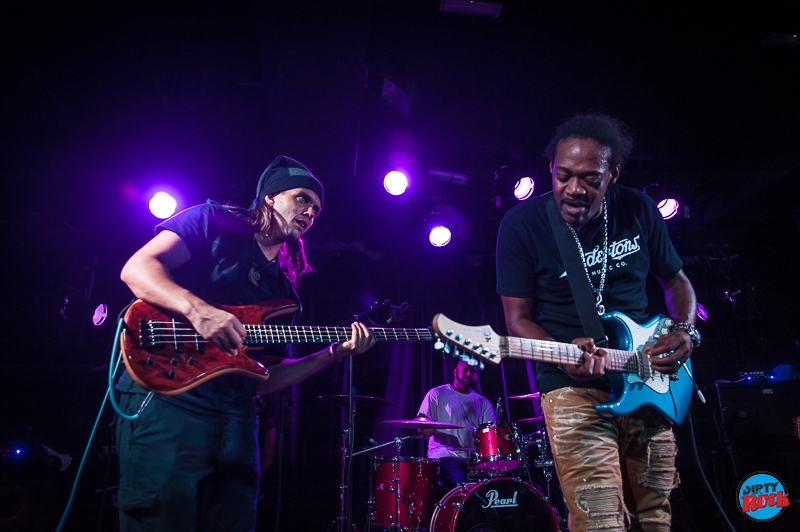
[420, 423]
[359, 400]
[534, 395]
[539, 419]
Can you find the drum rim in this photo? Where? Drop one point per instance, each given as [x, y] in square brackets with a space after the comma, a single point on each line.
[405, 459]
[508, 424]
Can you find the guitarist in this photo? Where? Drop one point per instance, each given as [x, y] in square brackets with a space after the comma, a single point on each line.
[615, 472]
[190, 461]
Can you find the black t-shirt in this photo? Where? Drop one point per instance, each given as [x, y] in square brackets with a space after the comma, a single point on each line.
[223, 250]
[529, 266]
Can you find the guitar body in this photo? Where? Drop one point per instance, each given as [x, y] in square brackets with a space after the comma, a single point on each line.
[633, 382]
[164, 354]
[628, 391]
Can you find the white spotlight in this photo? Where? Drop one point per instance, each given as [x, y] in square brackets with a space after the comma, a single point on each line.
[395, 182]
[162, 205]
[440, 236]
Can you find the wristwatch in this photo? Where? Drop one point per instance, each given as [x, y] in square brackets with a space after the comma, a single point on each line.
[690, 329]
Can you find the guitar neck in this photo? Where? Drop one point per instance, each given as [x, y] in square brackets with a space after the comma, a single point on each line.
[560, 353]
[285, 334]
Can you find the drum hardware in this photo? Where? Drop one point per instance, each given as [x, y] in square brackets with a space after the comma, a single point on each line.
[404, 491]
[537, 420]
[395, 486]
[497, 447]
[345, 401]
[534, 395]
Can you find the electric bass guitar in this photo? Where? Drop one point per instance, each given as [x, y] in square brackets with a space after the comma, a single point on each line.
[164, 354]
[634, 383]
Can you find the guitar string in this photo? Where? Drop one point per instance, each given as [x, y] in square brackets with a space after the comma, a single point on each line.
[563, 353]
[167, 332]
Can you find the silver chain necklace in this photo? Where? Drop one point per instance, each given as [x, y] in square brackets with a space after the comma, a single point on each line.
[599, 290]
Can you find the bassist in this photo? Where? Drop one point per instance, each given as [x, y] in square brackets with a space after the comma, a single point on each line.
[189, 462]
[616, 472]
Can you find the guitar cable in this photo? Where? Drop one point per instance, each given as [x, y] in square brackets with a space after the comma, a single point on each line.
[116, 359]
[703, 474]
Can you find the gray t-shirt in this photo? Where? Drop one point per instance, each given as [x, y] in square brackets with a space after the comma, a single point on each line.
[446, 405]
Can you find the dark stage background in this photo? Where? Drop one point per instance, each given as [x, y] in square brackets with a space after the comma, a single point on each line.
[101, 103]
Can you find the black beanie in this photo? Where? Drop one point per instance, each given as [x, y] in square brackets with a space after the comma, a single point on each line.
[283, 174]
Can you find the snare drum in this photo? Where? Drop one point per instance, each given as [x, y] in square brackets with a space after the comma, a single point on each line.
[405, 491]
[497, 504]
[497, 448]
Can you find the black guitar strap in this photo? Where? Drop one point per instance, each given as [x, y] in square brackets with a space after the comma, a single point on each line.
[578, 282]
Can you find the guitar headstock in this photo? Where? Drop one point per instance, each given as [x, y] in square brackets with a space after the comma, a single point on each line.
[479, 341]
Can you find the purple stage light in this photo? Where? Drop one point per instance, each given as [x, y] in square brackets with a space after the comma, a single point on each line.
[162, 205]
[440, 236]
[668, 208]
[395, 182]
[702, 313]
[523, 189]
[100, 314]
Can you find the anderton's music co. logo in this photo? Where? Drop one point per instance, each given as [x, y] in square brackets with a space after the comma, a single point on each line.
[762, 496]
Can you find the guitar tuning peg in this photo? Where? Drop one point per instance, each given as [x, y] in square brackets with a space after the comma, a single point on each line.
[438, 345]
[446, 349]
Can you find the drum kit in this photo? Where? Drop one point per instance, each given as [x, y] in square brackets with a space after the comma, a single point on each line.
[404, 495]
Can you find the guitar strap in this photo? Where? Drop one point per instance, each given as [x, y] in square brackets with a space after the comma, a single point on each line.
[576, 274]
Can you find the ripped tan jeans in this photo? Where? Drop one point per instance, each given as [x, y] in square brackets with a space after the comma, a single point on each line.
[616, 473]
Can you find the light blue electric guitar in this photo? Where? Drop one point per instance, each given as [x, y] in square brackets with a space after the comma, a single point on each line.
[634, 383]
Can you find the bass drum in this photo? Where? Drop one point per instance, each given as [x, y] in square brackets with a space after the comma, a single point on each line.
[497, 505]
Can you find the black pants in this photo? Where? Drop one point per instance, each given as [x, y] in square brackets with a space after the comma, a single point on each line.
[185, 471]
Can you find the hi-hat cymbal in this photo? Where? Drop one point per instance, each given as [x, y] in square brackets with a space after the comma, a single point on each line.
[420, 423]
[359, 400]
[539, 419]
[534, 395]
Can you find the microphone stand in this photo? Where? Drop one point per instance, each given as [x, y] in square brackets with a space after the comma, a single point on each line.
[386, 314]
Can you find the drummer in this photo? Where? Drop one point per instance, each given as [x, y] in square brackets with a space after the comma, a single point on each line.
[459, 404]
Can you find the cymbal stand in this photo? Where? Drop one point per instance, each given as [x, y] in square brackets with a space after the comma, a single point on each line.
[344, 479]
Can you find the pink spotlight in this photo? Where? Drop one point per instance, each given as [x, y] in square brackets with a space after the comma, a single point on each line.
[395, 182]
[702, 313]
[162, 205]
[668, 208]
[524, 188]
[440, 236]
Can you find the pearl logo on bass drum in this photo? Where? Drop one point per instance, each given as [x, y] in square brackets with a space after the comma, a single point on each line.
[493, 500]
